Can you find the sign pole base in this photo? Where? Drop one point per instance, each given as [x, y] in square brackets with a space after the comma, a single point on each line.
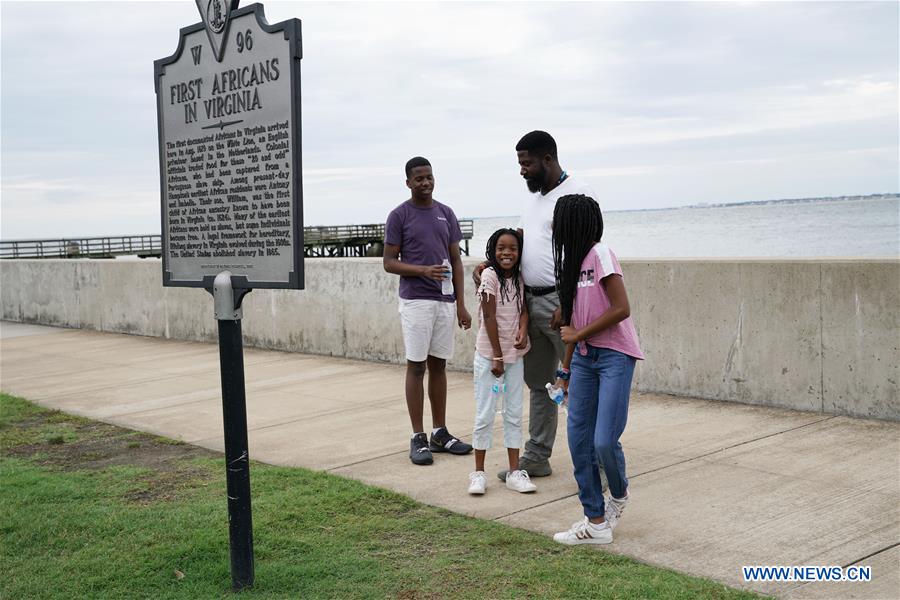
[234, 412]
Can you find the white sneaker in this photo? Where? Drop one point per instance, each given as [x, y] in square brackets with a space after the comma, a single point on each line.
[585, 532]
[477, 482]
[614, 509]
[518, 481]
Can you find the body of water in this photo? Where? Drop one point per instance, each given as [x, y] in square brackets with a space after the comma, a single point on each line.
[823, 228]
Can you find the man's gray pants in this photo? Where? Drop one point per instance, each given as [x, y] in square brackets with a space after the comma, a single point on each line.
[546, 354]
[541, 362]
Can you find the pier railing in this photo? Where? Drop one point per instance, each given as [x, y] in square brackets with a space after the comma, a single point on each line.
[359, 240]
[93, 247]
[318, 241]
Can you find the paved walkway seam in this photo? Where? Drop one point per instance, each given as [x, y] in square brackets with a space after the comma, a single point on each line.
[372, 458]
[821, 344]
[681, 462]
[515, 512]
[868, 556]
[687, 460]
[137, 381]
[789, 591]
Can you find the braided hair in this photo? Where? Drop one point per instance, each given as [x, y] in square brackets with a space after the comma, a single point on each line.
[512, 281]
[577, 226]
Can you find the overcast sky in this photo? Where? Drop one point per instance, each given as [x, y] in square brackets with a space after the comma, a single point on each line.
[656, 104]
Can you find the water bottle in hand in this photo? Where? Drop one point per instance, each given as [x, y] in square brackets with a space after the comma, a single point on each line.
[447, 284]
[498, 389]
[558, 396]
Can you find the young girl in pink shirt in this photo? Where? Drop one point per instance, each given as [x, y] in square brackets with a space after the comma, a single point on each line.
[601, 351]
[501, 343]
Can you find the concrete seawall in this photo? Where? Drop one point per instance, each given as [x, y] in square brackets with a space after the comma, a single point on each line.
[819, 335]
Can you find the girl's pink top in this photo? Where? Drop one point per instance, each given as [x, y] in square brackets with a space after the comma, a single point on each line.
[508, 313]
[591, 301]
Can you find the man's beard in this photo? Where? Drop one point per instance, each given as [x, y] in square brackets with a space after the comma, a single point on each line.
[537, 182]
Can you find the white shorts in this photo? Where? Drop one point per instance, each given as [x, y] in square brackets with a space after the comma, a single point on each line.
[428, 328]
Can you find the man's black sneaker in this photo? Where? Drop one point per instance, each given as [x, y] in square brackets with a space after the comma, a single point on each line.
[419, 453]
[442, 441]
[541, 469]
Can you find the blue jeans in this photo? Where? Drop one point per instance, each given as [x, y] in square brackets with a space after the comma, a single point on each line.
[598, 409]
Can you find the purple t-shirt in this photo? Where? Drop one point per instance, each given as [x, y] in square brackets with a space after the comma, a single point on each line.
[424, 236]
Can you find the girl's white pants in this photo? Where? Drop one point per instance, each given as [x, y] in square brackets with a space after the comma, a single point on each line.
[486, 403]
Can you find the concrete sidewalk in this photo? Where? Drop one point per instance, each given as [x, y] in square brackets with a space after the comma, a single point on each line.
[715, 485]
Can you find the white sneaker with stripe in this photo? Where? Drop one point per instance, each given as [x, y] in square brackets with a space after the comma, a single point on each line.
[585, 532]
[614, 509]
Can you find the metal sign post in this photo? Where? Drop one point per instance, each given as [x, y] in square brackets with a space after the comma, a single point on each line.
[228, 113]
[227, 303]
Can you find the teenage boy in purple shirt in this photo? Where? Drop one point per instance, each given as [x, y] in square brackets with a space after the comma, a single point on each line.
[420, 235]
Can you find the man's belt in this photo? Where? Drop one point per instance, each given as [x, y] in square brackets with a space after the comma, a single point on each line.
[540, 291]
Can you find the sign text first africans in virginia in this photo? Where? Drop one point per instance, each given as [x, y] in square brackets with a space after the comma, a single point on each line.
[233, 91]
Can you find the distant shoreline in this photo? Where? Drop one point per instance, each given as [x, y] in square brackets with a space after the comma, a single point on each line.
[701, 205]
[515, 217]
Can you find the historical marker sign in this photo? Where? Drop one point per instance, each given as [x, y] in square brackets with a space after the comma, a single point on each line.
[228, 110]
[228, 106]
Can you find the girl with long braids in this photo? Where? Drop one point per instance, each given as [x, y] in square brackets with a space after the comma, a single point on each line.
[601, 351]
[501, 343]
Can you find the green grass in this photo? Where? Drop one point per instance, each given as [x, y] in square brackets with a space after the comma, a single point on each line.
[112, 513]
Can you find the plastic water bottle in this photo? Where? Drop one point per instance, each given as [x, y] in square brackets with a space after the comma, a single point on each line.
[498, 390]
[558, 396]
[447, 284]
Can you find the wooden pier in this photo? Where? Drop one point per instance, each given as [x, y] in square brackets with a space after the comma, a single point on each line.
[318, 242]
[359, 240]
[93, 247]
